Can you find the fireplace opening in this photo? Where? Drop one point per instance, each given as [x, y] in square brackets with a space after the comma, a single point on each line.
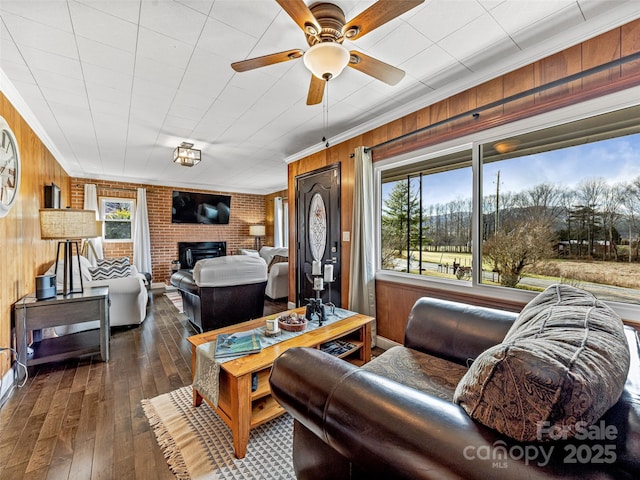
[190, 252]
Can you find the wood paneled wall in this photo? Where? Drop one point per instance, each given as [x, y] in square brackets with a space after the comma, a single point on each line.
[23, 255]
[246, 209]
[395, 300]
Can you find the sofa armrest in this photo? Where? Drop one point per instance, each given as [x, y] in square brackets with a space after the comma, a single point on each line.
[457, 332]
[121, 285]
[279, 269]
[391, 431]
[384, 428]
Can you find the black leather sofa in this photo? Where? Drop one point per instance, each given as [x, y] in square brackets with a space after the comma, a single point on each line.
[211, 307]
[367, 423]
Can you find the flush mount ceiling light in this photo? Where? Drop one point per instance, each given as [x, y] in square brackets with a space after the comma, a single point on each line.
[326, 60]
[185, 155]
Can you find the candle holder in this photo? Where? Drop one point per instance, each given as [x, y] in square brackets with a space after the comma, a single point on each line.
[330, 304]
[314, 305]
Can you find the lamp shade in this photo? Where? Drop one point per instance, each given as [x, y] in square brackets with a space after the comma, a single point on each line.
[257, 230]
[68, 223]
[326, 60]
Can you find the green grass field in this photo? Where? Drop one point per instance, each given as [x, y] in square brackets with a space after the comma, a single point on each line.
[620, 274]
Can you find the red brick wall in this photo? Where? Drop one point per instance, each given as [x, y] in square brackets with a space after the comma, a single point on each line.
[246, 209]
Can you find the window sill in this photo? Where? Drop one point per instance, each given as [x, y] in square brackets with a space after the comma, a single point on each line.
[629, 312]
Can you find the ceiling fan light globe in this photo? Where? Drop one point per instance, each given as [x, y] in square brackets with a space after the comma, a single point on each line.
[326, 59]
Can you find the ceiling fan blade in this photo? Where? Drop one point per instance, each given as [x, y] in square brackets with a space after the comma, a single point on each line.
[257, 62]
[376, 15]
[376, 68]
[316, 91]
[301, 14]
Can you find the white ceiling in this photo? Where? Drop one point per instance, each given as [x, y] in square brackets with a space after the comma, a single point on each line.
[113, 86]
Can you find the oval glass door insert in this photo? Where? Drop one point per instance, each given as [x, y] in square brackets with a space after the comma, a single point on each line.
[317, 227]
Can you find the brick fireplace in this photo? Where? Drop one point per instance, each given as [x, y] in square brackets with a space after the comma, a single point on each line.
[190, 252]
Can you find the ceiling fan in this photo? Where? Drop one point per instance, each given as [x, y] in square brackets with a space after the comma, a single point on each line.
[325, 27]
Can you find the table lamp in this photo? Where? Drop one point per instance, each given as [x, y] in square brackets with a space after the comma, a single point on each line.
[257, 231]
[68, 226]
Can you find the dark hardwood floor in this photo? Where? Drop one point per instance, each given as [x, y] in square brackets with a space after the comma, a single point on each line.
[82, 419]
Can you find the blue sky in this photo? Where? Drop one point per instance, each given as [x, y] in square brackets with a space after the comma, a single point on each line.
[616, 161]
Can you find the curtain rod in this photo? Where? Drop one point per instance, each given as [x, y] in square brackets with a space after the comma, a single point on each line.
[107, 188]
[475, 112]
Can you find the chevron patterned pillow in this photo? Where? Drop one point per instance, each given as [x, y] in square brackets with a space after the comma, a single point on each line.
[111, 268]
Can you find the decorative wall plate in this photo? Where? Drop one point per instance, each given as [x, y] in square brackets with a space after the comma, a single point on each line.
[9, 168]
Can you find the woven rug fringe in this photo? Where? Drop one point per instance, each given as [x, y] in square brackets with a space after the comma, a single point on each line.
[167, 444]
[197, 444]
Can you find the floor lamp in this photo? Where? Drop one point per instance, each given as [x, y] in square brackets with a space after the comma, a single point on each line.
[68, 226]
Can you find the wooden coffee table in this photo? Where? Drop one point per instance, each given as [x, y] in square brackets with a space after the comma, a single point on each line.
[239, 407]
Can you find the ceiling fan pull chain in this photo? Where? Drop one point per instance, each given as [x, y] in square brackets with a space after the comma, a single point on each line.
[326, 115]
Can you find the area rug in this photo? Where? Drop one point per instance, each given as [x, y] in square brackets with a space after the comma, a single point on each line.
[198, 444]
[176, 299]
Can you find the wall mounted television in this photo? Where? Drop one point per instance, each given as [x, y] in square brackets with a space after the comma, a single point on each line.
[204, 208]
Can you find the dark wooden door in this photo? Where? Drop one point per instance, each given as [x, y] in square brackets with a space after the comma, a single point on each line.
[318, 206]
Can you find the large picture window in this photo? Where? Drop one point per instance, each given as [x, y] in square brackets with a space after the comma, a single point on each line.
[527, 210]
[562, 205]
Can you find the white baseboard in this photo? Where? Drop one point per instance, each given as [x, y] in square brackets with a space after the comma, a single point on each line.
[6, 386]
[162, 286]
[291, 305]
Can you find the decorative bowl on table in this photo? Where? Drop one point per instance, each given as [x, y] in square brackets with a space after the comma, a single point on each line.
[292, 322]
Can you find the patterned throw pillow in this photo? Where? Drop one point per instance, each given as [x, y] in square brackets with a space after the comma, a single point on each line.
[276, 259]
[111, 268]
[564, 361]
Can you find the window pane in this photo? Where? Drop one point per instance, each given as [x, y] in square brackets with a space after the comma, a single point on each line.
[563, 205]
[117, 215]
[117, 210]
[117, 230]
[426, 217]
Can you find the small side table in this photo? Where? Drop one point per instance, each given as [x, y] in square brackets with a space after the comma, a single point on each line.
[33, 314]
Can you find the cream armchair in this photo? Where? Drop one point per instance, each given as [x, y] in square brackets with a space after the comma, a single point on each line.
[128, 296]
[278, 271]
[278, 281]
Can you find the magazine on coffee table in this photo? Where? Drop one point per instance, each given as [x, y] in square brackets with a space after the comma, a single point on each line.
[239, 343]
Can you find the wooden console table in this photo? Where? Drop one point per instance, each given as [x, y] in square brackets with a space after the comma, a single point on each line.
[243, 409]
[32, 314]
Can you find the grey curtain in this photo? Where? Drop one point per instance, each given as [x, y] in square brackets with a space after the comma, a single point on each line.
[362, 291]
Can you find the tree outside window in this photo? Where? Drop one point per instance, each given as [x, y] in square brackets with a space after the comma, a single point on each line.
[118, 217]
